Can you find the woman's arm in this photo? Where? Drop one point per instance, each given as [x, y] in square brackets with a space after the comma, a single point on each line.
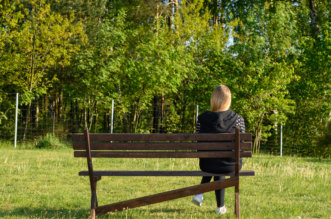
[197, 128]
[241, 123]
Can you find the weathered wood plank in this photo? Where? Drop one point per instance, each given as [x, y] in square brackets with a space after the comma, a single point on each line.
[164, 146]
[214, 154]
[163, 173]
[163, 137]
[166, 196]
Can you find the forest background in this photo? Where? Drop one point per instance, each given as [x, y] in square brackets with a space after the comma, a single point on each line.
[159, 59]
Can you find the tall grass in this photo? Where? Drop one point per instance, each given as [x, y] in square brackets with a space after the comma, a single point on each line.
[38, 183]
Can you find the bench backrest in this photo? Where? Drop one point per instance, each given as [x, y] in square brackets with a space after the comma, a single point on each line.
[208, 145]
[198, 145]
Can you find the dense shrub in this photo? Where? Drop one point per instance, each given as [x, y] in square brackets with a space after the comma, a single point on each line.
[324, 141]
[50, 142]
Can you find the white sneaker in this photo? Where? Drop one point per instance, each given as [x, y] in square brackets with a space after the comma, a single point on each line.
[197, 199]
[221, 210]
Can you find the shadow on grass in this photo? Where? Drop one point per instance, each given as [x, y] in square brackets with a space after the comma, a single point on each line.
[164, 210]
[317, 160]
[26, 212]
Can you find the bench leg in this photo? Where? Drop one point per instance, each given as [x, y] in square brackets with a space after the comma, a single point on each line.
[96, 197]
[237, 208]
[93, 204]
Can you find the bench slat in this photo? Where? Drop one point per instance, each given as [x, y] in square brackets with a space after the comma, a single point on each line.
[163, 137]
[163, 146]
[162, 173]
[214, 154]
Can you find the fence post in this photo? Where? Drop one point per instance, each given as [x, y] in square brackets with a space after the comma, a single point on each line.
[16, 117]
[197, 112]
[112, 117]
[281, 139]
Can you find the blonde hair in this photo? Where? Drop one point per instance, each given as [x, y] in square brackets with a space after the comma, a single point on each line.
[220, 98]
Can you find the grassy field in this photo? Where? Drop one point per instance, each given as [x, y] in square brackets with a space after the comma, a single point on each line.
[39, 183]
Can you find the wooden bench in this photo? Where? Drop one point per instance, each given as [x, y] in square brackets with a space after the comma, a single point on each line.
[158, 146]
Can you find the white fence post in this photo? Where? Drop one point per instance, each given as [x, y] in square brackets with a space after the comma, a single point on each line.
[281, 139]
[16, 112]
[112, 117]
[197, 112]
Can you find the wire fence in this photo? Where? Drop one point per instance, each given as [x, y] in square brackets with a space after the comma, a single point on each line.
[62, 116]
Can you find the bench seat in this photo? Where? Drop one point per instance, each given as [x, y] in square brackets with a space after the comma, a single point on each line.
[163, 173]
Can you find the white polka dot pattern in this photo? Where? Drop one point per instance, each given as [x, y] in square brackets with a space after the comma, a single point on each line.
[241, 123]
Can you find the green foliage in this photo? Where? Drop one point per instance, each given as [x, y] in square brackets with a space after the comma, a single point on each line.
[274, 56]
[38, 44]
[311, 93]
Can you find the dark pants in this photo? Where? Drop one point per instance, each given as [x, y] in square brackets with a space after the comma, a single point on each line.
[206, 179]
[219, 193]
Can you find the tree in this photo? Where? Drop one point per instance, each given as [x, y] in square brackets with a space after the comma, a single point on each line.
[257, 68]
[34, 47]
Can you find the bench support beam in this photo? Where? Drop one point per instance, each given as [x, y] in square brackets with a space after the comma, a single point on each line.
[166, 196]
[93, 204]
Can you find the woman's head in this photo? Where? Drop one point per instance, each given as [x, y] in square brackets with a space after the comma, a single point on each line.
[220, 98]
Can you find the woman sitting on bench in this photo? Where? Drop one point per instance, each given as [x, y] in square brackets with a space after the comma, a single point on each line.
[219, 120]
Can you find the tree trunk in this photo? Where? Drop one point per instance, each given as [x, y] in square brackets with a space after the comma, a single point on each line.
[314, 19]
[257, 140]
[156, 115]
[125, 117]
[85, 119]
[43, 100]
[37, 113]
[126, 122]
[162, 114]
[77, 114]
[88, 111]
[109, 121]
[60, 107]
[105, 119]
[215, 12]
[170, 15]
[81, 118]
[72, 116]
[157, 18]
[96, 116]
[183, 119]
[33, 114]
[222, 20]
[90, 114]
[134, 120]
[27, 120]
[56, 106]
[136, 116]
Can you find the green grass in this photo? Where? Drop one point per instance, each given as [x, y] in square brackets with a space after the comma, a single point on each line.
[39, 183]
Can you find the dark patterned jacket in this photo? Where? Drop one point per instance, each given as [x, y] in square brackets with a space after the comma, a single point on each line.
[219, 122]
